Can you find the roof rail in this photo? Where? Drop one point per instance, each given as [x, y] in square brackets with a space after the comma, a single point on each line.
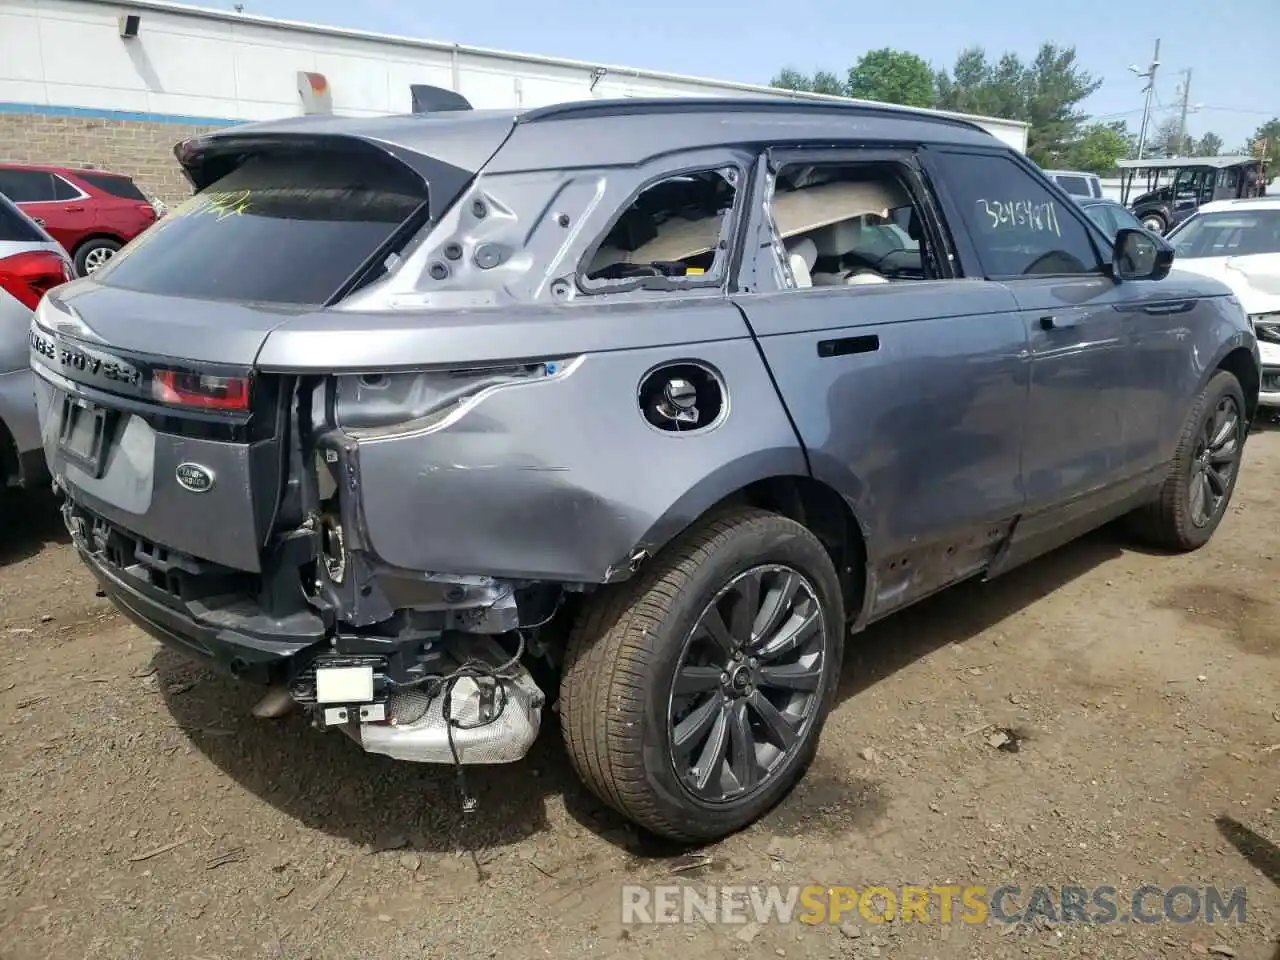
[632, 106]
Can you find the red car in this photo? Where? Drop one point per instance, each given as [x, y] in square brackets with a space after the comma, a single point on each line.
[92, 213]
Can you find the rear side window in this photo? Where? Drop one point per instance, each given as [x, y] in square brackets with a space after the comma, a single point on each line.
[280, 228]
[121, 187]
[1019, 228]
[26, 186]
[15, 227]
[65, 190]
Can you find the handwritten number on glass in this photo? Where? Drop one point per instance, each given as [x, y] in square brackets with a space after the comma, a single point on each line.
[221, 205]
[1022, 214]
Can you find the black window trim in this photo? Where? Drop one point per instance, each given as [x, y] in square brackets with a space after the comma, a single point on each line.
[682, 164]
[933, 163]
[917, 183]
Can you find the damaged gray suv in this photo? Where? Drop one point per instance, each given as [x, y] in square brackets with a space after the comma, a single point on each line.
[631, 410]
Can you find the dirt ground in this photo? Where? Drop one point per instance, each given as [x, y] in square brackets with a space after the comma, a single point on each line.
[145, 813]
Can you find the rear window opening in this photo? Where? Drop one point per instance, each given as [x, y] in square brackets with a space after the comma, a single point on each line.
[844, 224]
[284, 226]
[675, 228]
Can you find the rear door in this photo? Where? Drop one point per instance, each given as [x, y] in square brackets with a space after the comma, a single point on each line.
[906, 382]
[120, 207]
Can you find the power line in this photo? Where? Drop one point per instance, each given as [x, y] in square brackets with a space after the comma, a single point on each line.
[1150, 76]
[1260, 113]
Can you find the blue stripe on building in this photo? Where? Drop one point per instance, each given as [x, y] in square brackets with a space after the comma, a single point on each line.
[91, 113]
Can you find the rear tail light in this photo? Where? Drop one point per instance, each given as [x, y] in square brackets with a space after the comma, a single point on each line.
[29, 276]
[148, 210]
[200, 391]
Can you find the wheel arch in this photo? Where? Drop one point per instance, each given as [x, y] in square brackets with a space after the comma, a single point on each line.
[9, 469]
[1240, 362]
[796, 495]
[98, 235]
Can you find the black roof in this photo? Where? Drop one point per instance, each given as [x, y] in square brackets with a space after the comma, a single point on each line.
[671, 106]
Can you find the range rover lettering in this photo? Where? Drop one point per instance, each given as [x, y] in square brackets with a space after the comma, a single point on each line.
[634, 410]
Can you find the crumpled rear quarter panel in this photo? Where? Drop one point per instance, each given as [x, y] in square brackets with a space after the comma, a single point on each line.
[562, 479]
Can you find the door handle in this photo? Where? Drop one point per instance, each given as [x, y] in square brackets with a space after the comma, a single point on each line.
[846, 346]
[74, 208]
[1051, 322]
[1173, 306]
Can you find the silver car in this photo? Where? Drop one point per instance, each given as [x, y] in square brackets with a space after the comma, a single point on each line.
[31, 264]
[418, 420]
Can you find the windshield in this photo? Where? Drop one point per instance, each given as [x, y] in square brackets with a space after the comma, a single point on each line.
[1228, 233]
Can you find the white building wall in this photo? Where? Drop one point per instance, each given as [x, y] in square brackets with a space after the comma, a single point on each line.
[204, 65]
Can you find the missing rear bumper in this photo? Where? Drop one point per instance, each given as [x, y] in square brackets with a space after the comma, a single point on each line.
[479, 718]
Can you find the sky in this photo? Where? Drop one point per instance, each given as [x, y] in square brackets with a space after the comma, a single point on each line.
[1230, 47]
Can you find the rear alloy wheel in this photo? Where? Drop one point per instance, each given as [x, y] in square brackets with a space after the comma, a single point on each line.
[747, 683]
[693, 696]
[93, 254]
[1194, 498]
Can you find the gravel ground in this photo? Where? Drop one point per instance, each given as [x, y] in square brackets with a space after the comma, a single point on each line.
[145, 813]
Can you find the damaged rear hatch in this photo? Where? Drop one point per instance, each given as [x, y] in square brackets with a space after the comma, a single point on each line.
[154, 418]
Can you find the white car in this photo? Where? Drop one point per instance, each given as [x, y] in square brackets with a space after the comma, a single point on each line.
[1238, 242]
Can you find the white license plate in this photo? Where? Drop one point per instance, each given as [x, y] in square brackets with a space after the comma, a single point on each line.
[344, 684]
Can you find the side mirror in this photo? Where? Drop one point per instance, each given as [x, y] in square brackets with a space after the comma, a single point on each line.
[1139, 255]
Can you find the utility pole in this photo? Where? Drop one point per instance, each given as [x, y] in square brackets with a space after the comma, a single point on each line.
[1150, 76]
[1182, 115]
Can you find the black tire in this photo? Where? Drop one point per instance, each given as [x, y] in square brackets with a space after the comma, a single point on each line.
[93, 250]
[1168, 522]
[622, 657]
[1158, 223]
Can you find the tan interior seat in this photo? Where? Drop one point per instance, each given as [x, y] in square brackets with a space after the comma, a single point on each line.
[802, 254]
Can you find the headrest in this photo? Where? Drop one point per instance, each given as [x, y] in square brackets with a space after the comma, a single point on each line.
[805, 249]
[839, 238]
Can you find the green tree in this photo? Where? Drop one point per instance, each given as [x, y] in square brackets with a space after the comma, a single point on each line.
[1166, 141]
[823, 81]
[892, 76]
[1099, 147]
[1046, 93]
[1267, 139]
[1210, 145]
[788, 78]
[1056, 85]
